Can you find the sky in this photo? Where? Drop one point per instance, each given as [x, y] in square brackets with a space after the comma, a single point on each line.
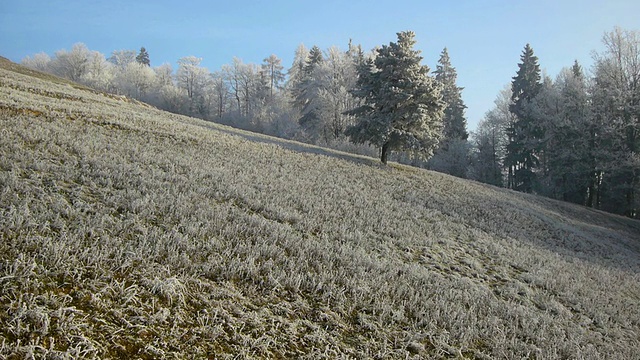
[484, 38]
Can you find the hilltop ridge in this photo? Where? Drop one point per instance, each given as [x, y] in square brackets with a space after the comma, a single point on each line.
[126, 231]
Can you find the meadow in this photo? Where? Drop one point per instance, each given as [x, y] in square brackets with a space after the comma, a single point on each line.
[126, 231]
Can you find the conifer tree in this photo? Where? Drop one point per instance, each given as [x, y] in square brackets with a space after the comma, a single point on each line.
[453, 154]
[525, 134]
[402, 105]
[455, 124]
[143, 57]
[295, 72]
[307, 92]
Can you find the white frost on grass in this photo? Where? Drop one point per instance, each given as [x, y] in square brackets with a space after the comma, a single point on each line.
[129, 232]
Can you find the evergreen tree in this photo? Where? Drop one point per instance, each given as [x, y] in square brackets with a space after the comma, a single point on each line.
[452, 157]
[455, 124]
[402, 105]
[143, 57]
[307, 94]
[313, 60]
[525, 134]
[296, 70]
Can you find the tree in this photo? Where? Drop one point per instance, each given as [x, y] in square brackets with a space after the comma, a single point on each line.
[616, 102]
[491, 140]
[244, 83]
[454, 121]
[455, 124]
[164, 74]
[220, 93]
[248, 84]
[305, 94]
[40, 61]
[122, 58]
[272, 66]
[143, 57]
[295, 72]
[402, 105]
[335, 76]
[71, 64]
[193, 79]
[190, 76]
[455, 160]
[524, 132]
[136, 79]
[562, 107]
[99, 73]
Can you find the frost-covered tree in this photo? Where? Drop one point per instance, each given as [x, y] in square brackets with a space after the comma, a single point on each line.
[71, 64]
[190, 76]
[616, 102]
[164, 74]
[220, 93]
[194, 79]
[295, 72]
[122, 58]
[174, 99]
[306, 94]
[562, 108]
[490, 140]
[245, 86]
[455, 160]
[40, 61]
[402, 104]
[525, 132]
[335, 76]
[99, 73]
[454, 123]
[136, 79]
[272, 67]
[143, 57]
[232, 76]
[249, 88]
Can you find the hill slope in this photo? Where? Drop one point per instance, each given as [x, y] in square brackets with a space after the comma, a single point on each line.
[130, 232]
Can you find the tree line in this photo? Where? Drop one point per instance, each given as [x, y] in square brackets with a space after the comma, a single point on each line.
[573, 138]
[312, 101]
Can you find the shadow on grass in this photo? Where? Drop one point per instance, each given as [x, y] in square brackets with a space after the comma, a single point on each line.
[294, 145]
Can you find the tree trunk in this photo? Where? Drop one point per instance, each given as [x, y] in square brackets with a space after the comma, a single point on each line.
[590, 190]
[385, 152]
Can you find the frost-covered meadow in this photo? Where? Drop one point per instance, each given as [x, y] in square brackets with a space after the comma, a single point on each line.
[130, 232]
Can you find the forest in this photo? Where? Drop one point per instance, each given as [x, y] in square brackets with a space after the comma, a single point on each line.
[573, 137]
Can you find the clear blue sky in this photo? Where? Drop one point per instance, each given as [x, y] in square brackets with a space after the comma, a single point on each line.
[484, 38]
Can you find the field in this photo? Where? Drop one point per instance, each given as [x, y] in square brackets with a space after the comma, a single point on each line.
[130, 232]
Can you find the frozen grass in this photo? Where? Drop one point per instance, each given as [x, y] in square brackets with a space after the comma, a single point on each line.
[130, 232]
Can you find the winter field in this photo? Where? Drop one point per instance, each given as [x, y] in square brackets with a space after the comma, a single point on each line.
[130, 232]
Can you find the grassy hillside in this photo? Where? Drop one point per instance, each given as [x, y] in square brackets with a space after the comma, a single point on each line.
[130, 232]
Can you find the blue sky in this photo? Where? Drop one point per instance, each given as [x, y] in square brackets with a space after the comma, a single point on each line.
[484, 38]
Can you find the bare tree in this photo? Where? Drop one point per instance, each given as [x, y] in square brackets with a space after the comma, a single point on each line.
[71, 64]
